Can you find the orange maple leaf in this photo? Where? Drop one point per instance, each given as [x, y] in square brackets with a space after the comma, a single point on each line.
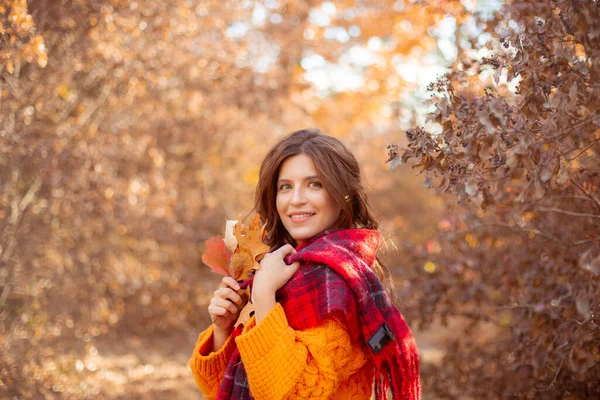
[250, 249]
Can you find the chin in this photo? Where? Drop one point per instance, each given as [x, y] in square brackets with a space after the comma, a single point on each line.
[299, 235]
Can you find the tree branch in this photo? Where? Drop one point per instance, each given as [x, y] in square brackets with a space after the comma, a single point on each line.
[529, 230]
[577, 125]
[584, 241]
[582, 151]
[11, 231]
[595, 200]
[574, 214]
[520, 231]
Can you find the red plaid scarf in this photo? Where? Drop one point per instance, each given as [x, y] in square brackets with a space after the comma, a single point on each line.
[336, 275]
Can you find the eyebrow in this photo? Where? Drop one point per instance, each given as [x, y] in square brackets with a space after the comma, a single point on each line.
[306, 178]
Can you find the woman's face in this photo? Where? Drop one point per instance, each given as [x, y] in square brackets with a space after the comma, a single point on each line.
[304, 206]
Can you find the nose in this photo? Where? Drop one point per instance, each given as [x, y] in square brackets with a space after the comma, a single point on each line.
[298, 197]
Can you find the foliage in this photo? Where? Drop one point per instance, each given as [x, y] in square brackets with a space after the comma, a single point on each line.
[241, 258]
[519, 264]
[17, 32]
[134, 142]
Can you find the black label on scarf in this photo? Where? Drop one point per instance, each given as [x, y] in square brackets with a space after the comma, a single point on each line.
[380, 338]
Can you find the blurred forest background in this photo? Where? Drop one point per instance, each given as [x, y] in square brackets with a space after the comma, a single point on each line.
[130, 130]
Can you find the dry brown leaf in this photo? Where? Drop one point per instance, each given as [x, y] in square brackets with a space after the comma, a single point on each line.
[250, 249]
[245, 314]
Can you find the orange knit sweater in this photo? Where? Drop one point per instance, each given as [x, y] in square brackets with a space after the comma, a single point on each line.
[281, 363]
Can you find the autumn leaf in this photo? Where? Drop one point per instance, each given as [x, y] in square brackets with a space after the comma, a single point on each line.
[230, 240]
[217, 256]
[250, 249]
[394, 158]
[245, 314]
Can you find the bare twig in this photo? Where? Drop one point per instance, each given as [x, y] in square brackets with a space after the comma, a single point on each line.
[514, 307]
[584, 241]
[562, 360]
[85, 116]
[522, 230]
[30, 195]
[569, 196]
[595, 200]
[560, 365]
[11, 85]
[17, 211]
[584, 149]
[577, 125]
[574, 214]
[530, 230]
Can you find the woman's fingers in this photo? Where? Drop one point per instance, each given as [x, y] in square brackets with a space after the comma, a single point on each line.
[292, 268]
[225, 304]
[227, 293]
[216, 311]
[228, 281]
[220, 303]
[285, 250]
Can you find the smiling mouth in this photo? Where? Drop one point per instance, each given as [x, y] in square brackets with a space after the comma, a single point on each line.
[300, 217]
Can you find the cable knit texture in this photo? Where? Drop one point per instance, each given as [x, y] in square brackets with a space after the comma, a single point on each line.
[282, 363]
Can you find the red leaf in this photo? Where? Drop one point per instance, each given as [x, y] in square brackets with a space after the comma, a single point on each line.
[217, 256]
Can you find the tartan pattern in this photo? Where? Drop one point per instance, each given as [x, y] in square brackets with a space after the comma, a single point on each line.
[336, 275]
[305, 307]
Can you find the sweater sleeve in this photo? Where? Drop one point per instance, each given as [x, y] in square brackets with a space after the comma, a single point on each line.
[283, 363]
[209, 367]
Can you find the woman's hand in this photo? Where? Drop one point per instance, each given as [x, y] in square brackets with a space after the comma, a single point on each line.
[225, 306]
[272, 275]
[274, 272]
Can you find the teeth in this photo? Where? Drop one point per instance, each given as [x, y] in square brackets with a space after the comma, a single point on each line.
[298, 216]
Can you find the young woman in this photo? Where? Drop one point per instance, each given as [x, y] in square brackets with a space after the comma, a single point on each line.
[323, 328]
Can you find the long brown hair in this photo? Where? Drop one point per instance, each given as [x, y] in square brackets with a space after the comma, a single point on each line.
[339, 172]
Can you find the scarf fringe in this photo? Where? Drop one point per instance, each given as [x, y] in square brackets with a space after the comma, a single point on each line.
[399, 373]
